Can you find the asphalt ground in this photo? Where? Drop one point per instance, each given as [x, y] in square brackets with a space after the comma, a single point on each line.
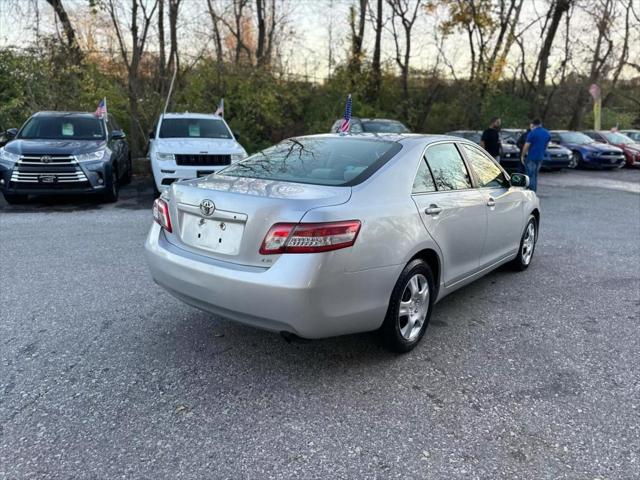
[532, 375]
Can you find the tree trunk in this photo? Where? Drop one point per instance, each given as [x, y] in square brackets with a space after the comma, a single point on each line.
[357, 36]
[174, 58]
[375, 62]
[262, 34]
[69, 32]
[162, 60]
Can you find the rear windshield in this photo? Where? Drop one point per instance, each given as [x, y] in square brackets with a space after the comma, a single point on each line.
[63, 127]
[618, 138]
[320, 161]
[575, 137]
[193, 128]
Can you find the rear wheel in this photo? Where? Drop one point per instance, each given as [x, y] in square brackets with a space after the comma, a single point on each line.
[527, 245]
[410, 307]
[15, 198]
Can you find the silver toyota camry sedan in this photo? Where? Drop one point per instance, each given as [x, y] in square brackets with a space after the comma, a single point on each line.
[334, 234]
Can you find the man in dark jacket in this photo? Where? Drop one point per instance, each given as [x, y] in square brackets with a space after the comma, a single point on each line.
[490, 139]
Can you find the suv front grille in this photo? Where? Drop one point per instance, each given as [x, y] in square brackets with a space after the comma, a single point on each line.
[52, 170]
[203, 159]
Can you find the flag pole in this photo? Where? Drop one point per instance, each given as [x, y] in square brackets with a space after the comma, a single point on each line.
[106, 110]
[173, 79]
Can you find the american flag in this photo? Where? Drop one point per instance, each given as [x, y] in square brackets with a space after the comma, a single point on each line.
[345, 127]
[101, 111]
[220, 110]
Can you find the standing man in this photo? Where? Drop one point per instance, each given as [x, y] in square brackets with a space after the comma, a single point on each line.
[490, 139]
[533, 152]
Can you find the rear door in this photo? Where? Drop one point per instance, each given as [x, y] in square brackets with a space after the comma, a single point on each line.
[504, 206]
[453, 212]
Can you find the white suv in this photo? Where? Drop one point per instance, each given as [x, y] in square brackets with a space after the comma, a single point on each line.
[190, 145]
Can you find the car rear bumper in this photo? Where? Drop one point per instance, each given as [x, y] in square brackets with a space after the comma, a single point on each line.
[310, 295]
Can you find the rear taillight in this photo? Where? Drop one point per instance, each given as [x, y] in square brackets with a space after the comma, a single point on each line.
[309, 237]
[161, 214]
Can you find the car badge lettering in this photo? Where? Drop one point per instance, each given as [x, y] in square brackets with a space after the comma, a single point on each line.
[207, 207]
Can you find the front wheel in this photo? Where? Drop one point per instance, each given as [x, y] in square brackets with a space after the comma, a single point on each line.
[576, 160]
[527, 245]
[15, 198]
[410, 307]
[113, 188]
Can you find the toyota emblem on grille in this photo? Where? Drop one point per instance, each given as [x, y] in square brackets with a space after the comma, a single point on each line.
[45, 159]
[207, 207]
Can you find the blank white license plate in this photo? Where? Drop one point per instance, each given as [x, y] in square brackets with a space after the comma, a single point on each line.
[217, 236]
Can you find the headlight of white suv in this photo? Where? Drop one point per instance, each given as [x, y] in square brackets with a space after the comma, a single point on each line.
[165, 156]
[236, 157]
[8, 156]
[91, 157]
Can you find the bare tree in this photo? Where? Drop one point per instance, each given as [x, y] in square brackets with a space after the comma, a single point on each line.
[268, 23]
[404, 12]
[162, 55]
[376, 74]
[174, 57]
[217, 34]
[140, 14]
[69, 31]
[357, 36]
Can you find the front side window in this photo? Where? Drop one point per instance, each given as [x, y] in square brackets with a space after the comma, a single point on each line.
[63, 127]
[488, 173]
[336, 161]
[448, 168]
[424, 180]
[193, 128]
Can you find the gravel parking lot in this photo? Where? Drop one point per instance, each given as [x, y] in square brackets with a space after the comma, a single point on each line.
[521, 375]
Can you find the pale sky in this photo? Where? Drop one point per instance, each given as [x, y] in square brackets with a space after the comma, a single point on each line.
[306, 51]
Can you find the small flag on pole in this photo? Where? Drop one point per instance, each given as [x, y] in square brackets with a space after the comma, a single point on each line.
[101, 111]
[220, 110]
[345, 127]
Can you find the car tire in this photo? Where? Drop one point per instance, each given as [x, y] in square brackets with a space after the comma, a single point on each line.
[113, 188]
[527, 245]
[576, 160]
[15, 198]
[409, 308]
[126, 180]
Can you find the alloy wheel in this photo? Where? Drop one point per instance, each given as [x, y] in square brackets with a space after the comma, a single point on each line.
[414, 306]
[528, 243]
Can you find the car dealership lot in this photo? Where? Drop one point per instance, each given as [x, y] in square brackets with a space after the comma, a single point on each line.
[531, 375]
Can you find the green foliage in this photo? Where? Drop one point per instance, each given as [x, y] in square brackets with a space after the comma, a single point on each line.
[265, 107]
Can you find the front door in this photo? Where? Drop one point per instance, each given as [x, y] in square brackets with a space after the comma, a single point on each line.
[503, 204]
[453, 212]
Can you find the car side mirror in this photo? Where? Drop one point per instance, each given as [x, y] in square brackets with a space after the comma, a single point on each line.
[152, 134]
[118, 135]
[511, 141]
[519, 180]
[10, 133]
[236, 134]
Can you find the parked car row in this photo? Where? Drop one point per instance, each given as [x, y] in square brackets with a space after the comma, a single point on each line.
[76, 152]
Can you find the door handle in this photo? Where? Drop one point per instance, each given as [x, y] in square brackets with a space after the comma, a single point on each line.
[491, 202]
[433, 209]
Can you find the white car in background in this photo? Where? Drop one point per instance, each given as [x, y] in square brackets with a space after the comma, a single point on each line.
[190, 145]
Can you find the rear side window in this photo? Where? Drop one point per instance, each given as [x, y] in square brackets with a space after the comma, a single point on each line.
[488, 173]
[321, 161]
[424, 180]
[448, 168]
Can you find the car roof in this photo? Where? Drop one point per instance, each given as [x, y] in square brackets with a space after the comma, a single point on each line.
[62, 114]
[191, 115]
[389, 137]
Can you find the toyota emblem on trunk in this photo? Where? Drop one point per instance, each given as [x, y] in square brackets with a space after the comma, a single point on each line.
[207, 207]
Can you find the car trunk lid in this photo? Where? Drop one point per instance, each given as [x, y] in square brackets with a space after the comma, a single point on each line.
[227, 218]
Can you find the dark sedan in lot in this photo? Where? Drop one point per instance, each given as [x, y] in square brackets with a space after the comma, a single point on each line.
[630, 148]
[64, 153]
[587, 152]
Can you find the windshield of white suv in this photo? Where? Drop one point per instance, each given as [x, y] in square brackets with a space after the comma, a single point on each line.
[193, 128]
[63, 127]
